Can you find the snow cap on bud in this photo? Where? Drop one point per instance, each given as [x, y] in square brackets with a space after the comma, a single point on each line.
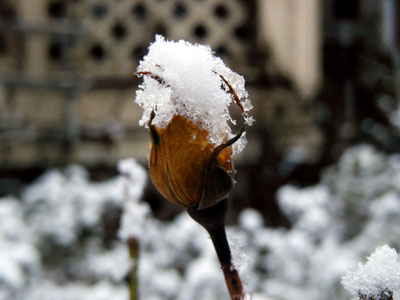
[186, 94]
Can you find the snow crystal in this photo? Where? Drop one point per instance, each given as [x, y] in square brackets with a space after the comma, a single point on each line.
[381, 274]
[185, 80]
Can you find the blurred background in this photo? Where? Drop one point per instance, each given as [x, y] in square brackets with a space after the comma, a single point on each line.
[317, 185]
[322, 76]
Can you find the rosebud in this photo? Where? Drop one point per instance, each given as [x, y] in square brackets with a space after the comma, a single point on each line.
[186, 97]
[186, 100]
[186, 168]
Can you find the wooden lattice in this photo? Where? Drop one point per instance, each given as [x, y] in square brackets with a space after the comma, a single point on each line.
[120, 31]
[85, 42]
[116, 34]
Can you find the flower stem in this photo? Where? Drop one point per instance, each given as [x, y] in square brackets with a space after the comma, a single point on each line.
[133, 245]
[232, 279]
[213, 220]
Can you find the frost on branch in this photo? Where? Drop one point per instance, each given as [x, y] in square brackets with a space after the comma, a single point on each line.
[376, 279]
[186, 80]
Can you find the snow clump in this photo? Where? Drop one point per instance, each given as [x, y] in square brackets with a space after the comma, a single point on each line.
[381, 274]
[186, 80]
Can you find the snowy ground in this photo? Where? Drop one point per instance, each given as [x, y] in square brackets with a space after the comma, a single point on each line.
[55, 242]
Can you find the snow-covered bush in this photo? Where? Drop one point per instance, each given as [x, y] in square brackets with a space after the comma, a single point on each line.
[19, 258]
[336, 223]
[56, 242]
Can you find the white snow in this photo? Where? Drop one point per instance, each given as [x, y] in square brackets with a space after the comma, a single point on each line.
[190, 87]
[113, 264]
[102, 290]
[60, 222]
[52, 239]
[19, 259]
[251, 220]
[135, 173]
[60, 204]
[136, 212]
[380, 274]
[203, 281]
[307, 207]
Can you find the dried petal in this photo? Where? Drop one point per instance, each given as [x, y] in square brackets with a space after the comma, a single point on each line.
[186, 168]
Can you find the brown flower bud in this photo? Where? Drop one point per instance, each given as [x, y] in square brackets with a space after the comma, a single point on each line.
[186, 168]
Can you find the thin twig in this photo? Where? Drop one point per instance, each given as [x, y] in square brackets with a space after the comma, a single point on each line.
[133, 245]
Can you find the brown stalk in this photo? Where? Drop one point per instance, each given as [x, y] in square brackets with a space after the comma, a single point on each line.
[213, 220]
